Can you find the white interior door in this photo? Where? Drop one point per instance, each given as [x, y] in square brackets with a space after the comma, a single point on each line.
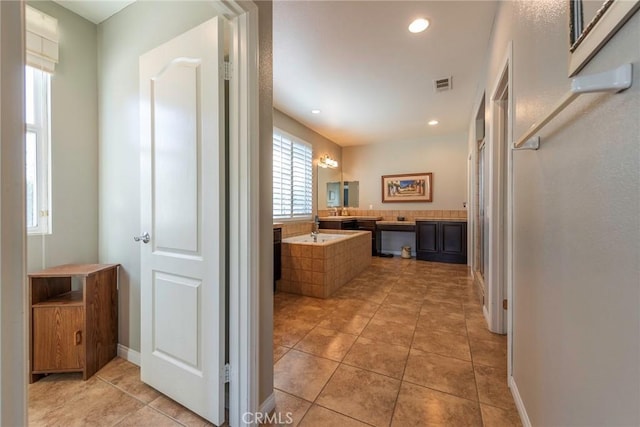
[182, 196]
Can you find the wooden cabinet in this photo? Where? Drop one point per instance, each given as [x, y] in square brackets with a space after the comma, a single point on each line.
[73, 330]
[277, 252]
[347, 224]
[442, 241]
[369, 225]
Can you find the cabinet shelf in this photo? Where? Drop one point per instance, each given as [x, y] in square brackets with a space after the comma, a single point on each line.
[72, 298]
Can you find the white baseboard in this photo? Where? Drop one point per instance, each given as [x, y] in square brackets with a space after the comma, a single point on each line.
[127, 354]
[522, 411]
[269, 404]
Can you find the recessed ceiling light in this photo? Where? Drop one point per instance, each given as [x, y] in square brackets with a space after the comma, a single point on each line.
[432, 122]
[419, 25]
[315, 111]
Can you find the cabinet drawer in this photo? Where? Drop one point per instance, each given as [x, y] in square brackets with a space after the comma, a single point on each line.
[58, 338]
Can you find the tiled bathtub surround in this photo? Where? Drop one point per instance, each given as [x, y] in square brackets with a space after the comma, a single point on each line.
[319, 269]
[295, 228]
[409, 215]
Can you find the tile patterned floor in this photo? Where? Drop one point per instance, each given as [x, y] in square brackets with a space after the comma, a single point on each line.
[403, 344]
[114, 396]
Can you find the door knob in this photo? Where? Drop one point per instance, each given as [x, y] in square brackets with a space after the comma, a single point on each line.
[145, 238]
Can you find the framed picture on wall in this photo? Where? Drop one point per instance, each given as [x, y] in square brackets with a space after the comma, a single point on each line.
[409, 187]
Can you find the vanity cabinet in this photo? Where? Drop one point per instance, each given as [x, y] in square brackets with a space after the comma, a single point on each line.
[73, 330]
[277, 252]
[441, 241]
[347, 224]
[370, 226]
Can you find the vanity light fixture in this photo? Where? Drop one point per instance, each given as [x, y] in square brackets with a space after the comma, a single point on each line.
[316, 111]
[432, 122]
[419, 25]
[327, 162]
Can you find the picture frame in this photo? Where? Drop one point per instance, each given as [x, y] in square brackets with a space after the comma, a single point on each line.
[589, 30]
[407, 188]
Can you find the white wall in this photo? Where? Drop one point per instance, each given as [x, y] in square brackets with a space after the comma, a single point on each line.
[121, 40]
[444, 156]
[13, 342]
[265, 69]
[74, 147]
[577, 230]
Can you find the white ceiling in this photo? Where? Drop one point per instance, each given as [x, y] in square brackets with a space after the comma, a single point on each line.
[95, 11]
[357, 62]
[372, 79]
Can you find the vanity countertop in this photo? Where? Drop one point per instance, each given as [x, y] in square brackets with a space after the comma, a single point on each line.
[442, 219]
[350, 217]
[277, 225]
[396, 222]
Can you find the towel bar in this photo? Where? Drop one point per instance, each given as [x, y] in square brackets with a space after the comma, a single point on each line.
[609, 81]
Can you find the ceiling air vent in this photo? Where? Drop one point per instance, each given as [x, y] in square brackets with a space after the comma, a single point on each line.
[440, 85]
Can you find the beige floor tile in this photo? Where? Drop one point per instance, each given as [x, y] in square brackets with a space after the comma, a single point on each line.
[302, 374]
[126, 376]
[146, 416]
[489, 353]
[418, 406]
[355, 306]
[396, 314]
[326, 343]
[318, 416]
[278, 352]
[100, 404]
[178, 412]
[441, 373]
[441, 307]
[363, 395]
[477, 329]
[389, 332]
[409, 304]
[442, 343]
[452, 323]
[345, 322]
[492, 386]
[289, 410]
[385, 359]
[54, 391]
[497, 417]
[289, 333]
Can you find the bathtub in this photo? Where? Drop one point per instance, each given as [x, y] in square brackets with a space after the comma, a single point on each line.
[308, 238]
[319, 269]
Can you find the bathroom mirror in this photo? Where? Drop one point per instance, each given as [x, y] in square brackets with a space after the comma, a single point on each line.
[329, 188]
[332, 192]
[591, 24]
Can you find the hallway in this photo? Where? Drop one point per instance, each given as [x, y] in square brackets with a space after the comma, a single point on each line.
[403, 344]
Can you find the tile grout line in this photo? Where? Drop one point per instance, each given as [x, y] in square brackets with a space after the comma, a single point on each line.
[147, 404]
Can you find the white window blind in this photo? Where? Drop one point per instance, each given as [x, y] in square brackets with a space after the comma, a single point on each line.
[41, 40]
[292, 177]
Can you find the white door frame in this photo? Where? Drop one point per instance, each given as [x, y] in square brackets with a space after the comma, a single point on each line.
[500, 276]
[13, 296]
[244, 211]
[243, 186]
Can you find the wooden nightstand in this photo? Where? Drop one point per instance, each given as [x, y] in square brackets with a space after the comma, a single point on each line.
[73, 331]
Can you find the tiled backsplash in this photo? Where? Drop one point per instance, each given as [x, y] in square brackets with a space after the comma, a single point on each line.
[296, 228]
[409, 215]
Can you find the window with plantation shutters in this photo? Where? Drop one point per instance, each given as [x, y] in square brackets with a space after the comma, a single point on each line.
[292, 177]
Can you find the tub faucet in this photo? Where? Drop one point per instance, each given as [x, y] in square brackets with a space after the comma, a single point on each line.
[316, 226]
